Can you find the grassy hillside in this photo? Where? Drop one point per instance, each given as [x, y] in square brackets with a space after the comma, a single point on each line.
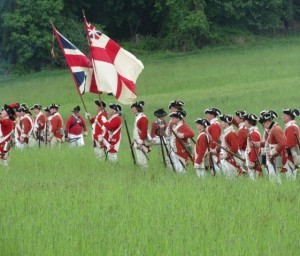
[65, 202]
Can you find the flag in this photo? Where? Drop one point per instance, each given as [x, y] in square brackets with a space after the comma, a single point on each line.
[80, 65]
[116, 70]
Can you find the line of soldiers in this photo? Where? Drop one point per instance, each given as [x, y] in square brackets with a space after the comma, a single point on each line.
[219, 147]
[241, 152]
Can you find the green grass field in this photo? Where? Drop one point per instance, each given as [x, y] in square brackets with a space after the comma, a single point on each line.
[66, 202]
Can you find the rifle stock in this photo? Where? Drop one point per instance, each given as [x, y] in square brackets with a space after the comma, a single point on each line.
[129, 140]
[182, 144]
[228, 151]
[210, 156]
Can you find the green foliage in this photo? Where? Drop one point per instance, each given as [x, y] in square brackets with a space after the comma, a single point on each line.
[30, 37]
[185, 25]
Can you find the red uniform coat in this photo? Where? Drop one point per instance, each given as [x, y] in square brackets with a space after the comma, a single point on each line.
[113, 130]
[75, 125]
[56, 124]
[242, 136]
[156, 130]
[291, 134]
[99, 131]
[230, 142]
[201, 148]
[252, 151]
[276, 140]
[214, 131]
[6, 130]
[140, 129]
[26, 124]
[184, 132]
[39, 122]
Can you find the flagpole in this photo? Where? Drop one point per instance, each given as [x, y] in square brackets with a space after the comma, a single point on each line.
[60, 44]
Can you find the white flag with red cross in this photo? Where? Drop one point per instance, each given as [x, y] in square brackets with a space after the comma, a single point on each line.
[116, 70]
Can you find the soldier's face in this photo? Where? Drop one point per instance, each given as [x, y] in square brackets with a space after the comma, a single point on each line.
[209, 116]
[200, 127]
[111, 112]
[4, 113]
[247, 124]
[286, 118]
[36, 111]
[134, 110]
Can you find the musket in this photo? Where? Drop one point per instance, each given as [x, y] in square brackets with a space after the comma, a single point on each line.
[129, 140]
[159, 131]
[143, 151]
[228, 151]
[182, 144]
[256, 155]
[162, 151]
[46, 132]
[39, 138]
[169, 154]
[210, 155]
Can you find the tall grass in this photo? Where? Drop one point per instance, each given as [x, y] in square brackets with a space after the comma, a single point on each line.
[66, 202]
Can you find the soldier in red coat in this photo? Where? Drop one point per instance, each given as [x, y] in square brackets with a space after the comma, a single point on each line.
[26, 124]
[47, 127]
[76, 128]
[291, 158]
[6, 131]
[252, 153]
[39, 123]
[141, 134]
[239, 121]
[231, 165]
[98, 129]
[180, 133]
[275, 145]
[159, 126]
[273, 115]
[214, 131]
[201, 147]
[56, 130]
[113, 125]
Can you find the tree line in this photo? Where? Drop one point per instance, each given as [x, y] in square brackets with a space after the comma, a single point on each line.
[148, 25]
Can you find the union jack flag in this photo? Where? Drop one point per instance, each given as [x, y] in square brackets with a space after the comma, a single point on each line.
[79, 64]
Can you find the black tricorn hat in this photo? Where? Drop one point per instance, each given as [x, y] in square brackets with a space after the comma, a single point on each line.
[76, 109]
[37, 106]
[226, 118]
[9, 110]
[251, 117]
[23, 108]
[160, 113]
[115, 107]
[202, 121]
[291, 112]
[272, 113]
[53, 105]
[46, 109]
[178, 114]
[265, 117]
[213, 111]
[100, 103]
[138, 104]
[240, 113]
[176, 103]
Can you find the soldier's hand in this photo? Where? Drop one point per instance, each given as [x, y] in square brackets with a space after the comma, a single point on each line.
[139, 146]
[213, 151]
[22, 139]
[85, 133]
[87, 115]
